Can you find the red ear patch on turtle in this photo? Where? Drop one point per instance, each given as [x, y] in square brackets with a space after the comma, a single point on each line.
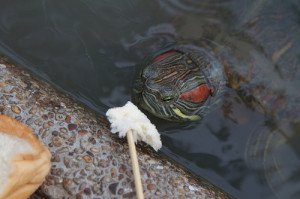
[163, 56]
[198, 94]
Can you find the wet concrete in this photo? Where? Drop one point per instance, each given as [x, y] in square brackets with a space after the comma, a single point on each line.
[87, 160]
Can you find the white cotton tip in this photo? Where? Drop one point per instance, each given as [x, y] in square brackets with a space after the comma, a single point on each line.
[129, 117]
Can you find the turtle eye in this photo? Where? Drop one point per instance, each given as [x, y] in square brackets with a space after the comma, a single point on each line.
[167, 99]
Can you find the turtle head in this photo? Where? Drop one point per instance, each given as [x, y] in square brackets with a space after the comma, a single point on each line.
[173, 86]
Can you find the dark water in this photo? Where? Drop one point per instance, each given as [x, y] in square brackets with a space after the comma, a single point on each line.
[249, 144]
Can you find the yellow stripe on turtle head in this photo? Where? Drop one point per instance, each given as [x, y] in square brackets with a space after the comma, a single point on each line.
[180, 114]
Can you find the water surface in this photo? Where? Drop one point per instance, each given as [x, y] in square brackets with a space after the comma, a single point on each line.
[248, 145]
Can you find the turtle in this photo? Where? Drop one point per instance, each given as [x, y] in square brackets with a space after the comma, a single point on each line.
[252, 75]
[184, 82]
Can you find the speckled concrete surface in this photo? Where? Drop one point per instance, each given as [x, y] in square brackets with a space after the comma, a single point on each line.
[87, 160]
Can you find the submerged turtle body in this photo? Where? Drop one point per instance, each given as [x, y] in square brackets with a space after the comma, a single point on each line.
[184, 82]
[180, 83]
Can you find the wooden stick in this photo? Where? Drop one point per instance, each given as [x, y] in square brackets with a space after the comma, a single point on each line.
[135, 166]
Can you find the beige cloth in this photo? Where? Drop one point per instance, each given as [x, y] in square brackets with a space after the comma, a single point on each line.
[29, 170]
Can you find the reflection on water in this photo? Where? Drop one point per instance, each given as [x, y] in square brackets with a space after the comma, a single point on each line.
[91, 49]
